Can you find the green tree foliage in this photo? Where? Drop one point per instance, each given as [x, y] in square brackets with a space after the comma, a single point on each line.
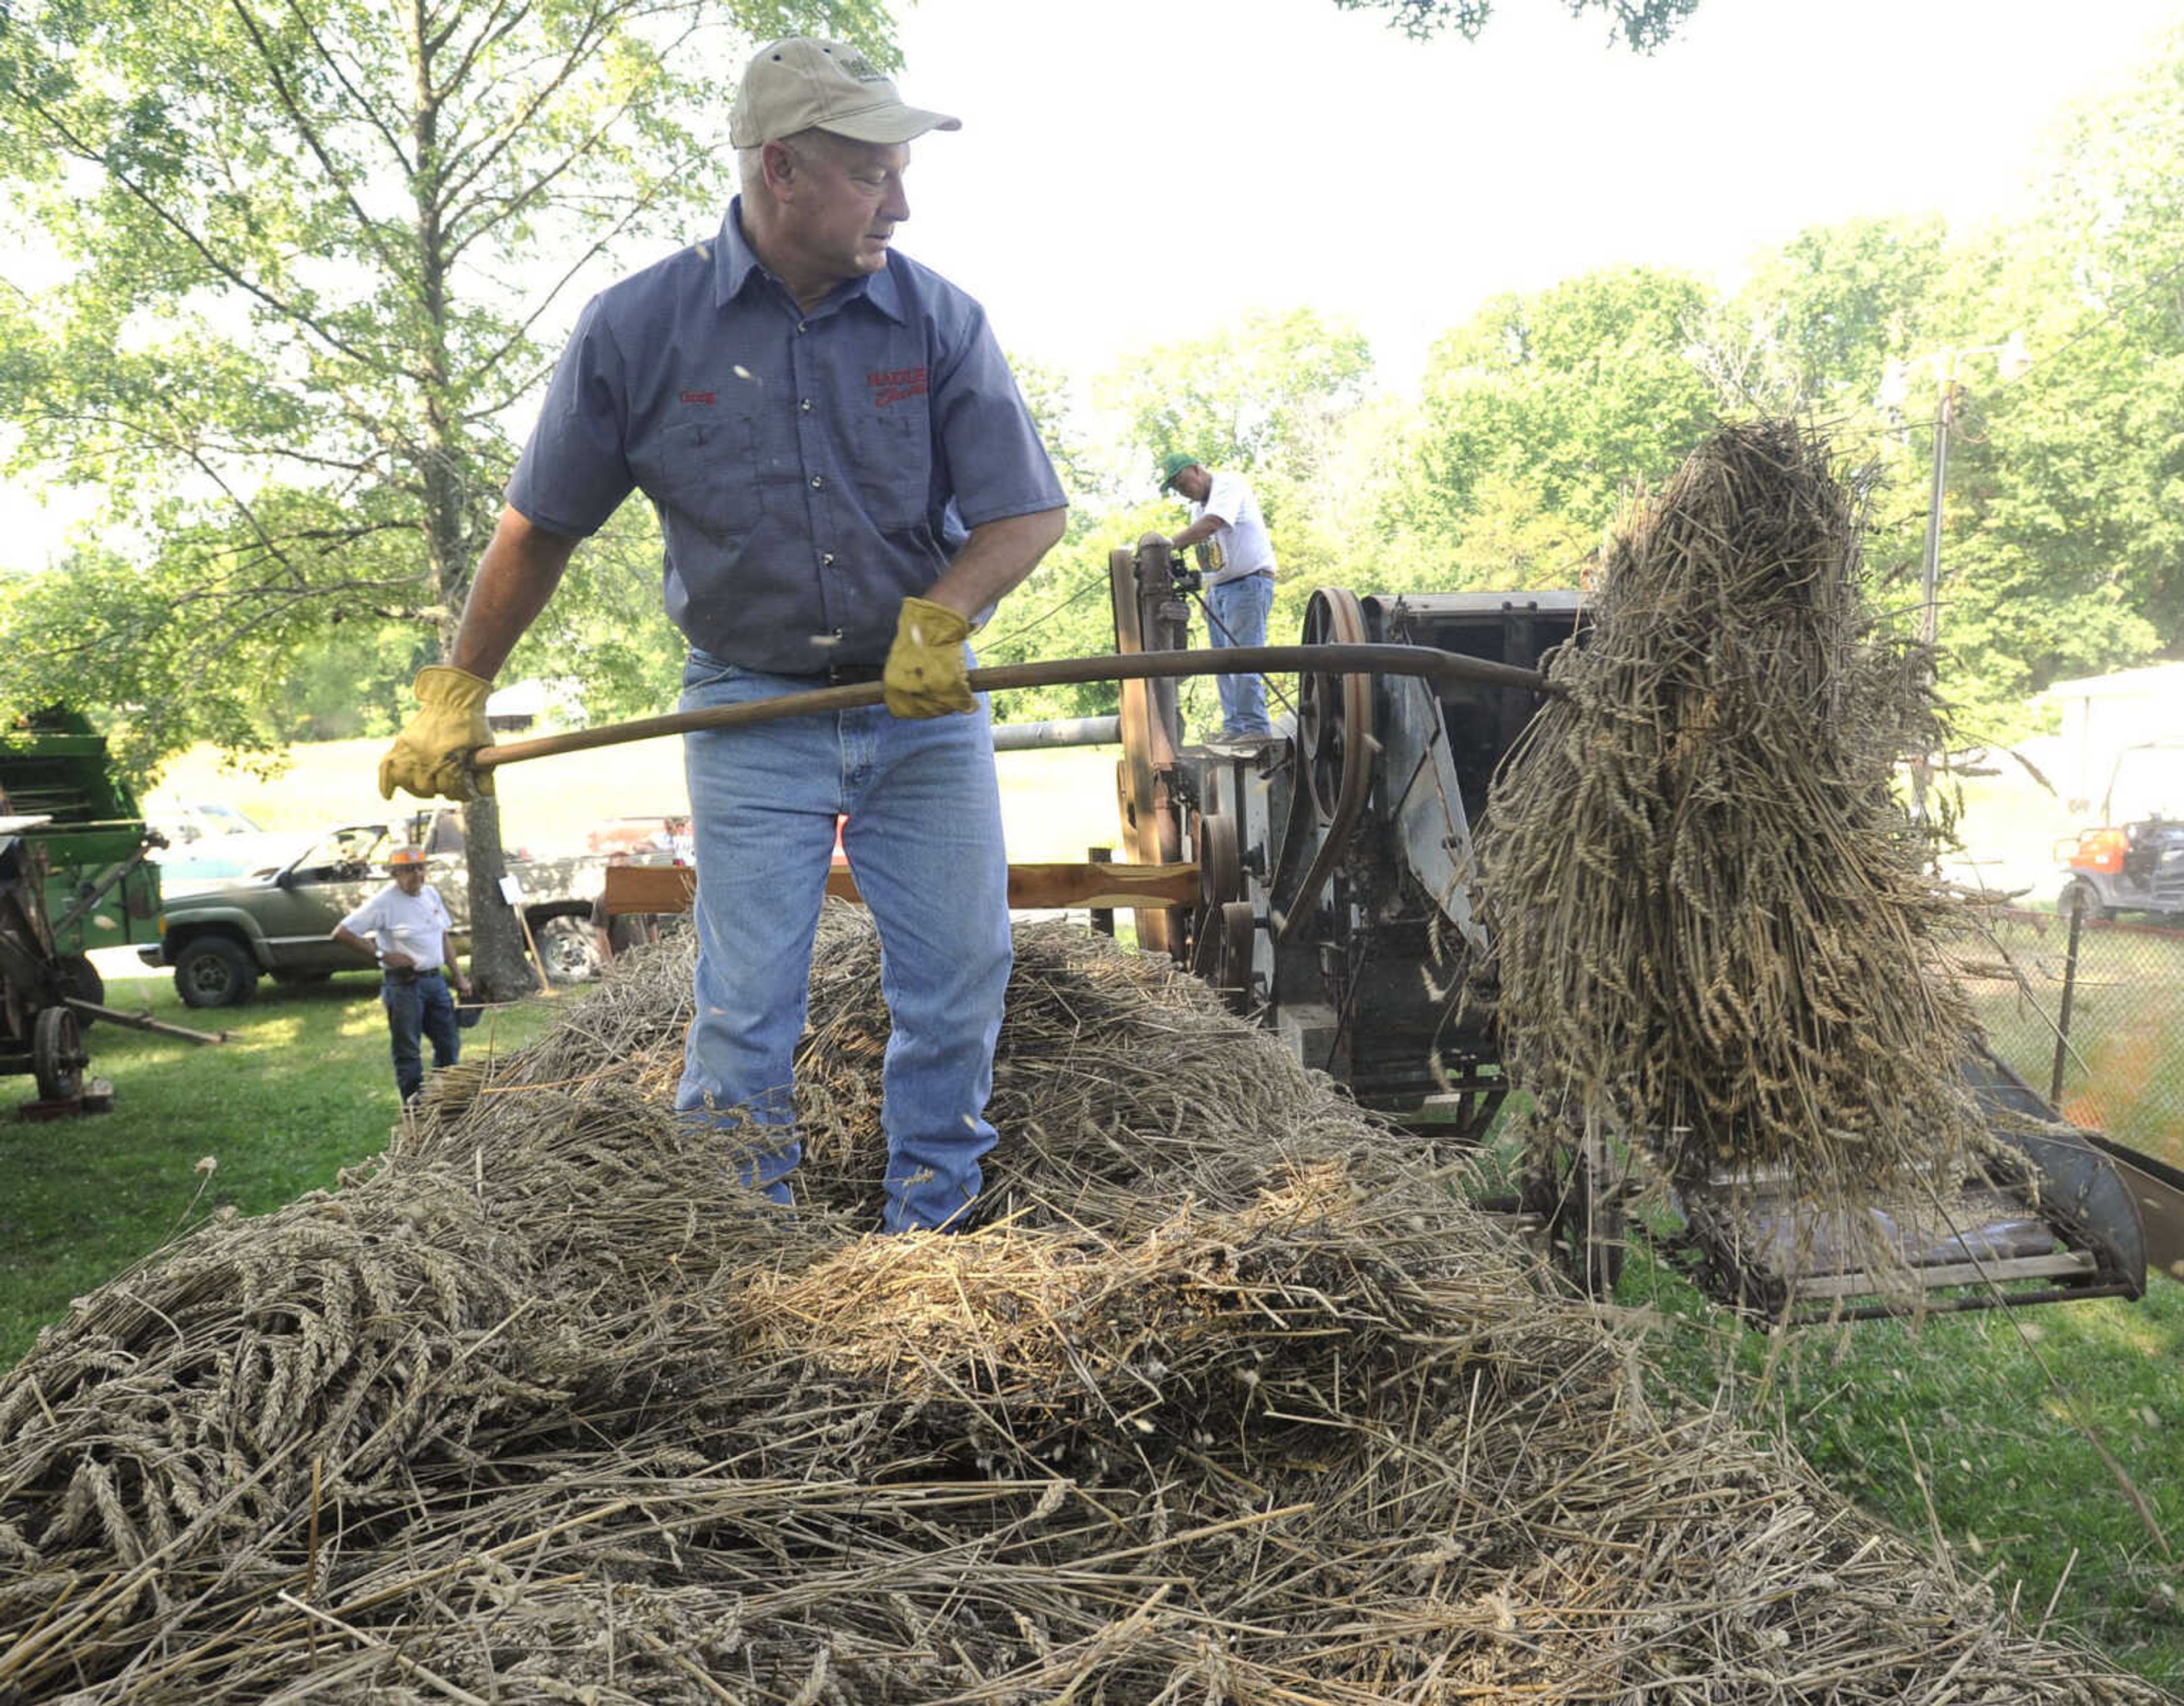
[318, 257]
[1539, 416]
[1064, 609]
[1265, 395]
[1270, 397]
[1816, 322]
[1641, 26]
[2062, 537]
[2098, 425]
[317, 254]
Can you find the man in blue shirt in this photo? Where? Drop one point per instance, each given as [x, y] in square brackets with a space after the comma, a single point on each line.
[847, 480]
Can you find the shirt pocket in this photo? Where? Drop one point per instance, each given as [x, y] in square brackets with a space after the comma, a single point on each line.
[706, 473]
[892, 462]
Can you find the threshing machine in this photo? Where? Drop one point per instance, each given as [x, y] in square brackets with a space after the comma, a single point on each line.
[1337, 903]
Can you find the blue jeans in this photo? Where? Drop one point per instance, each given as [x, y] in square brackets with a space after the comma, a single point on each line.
[1240, 610]
[423, 1008]
[924, 838]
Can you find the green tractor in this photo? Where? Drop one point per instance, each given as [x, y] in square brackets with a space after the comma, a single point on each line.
[100, 890]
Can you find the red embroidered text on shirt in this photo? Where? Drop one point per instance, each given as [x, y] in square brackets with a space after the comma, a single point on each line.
[892, 385]
[697, 397]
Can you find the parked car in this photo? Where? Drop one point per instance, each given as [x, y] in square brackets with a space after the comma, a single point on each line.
[208, 839]
[221, 937]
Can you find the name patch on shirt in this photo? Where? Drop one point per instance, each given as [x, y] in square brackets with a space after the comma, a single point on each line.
[893, 384]
[705, 397]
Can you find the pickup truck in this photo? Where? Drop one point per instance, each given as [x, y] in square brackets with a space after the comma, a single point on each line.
[277, 920]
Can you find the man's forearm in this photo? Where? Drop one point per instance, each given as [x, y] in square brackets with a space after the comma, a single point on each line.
[516, 576]
[995, 559]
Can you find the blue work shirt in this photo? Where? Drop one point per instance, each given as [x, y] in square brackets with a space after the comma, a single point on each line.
[811, 470]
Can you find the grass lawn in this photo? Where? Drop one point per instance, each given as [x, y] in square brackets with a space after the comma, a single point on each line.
[2041, 1450]
[303, 1088]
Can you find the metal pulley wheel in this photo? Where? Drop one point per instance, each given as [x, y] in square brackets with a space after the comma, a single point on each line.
[1337, 750]
[1232, 929]
[1221, 928]
[57, 1056]
[1220, 860]
[1334, 712]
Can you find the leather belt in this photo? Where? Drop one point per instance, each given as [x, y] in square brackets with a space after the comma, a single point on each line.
[409, 974]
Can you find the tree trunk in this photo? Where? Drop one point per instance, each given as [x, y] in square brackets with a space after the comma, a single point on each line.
[500, 961]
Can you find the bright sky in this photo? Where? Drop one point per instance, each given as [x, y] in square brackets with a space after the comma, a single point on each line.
[1133, 171]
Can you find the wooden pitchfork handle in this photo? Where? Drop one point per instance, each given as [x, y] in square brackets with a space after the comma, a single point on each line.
[1144, 666]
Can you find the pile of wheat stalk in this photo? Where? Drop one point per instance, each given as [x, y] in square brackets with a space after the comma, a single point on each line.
[1717, 930]
[1231, 1400]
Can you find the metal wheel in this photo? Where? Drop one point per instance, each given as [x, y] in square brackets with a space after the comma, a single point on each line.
[570, 948]
[1335, 745]
[1334, 712]
[57, 1056]
[1220, 860]
[1233, 929]
[80, 979]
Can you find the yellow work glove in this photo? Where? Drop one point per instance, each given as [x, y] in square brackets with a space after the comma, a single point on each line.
[925, 675]
[428, 757]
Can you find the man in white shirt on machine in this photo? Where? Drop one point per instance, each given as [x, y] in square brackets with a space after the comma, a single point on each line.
[1238, 562]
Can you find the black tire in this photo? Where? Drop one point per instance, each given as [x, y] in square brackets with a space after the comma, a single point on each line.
[57, 1057]
[2078, 892]
[213, 972]
[80, 979]
[569, 947]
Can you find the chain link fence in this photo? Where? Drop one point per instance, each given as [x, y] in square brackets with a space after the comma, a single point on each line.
[2093, 1019]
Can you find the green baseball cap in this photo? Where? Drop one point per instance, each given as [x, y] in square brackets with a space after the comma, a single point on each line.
[1174, 464]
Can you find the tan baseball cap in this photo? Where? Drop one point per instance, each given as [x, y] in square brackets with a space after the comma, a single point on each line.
[804, 84]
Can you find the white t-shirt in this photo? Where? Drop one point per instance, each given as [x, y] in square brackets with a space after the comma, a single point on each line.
[1239, 546]
[414, 924]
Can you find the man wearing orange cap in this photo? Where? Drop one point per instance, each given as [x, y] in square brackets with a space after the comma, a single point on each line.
[413, 938]
[847, 480]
